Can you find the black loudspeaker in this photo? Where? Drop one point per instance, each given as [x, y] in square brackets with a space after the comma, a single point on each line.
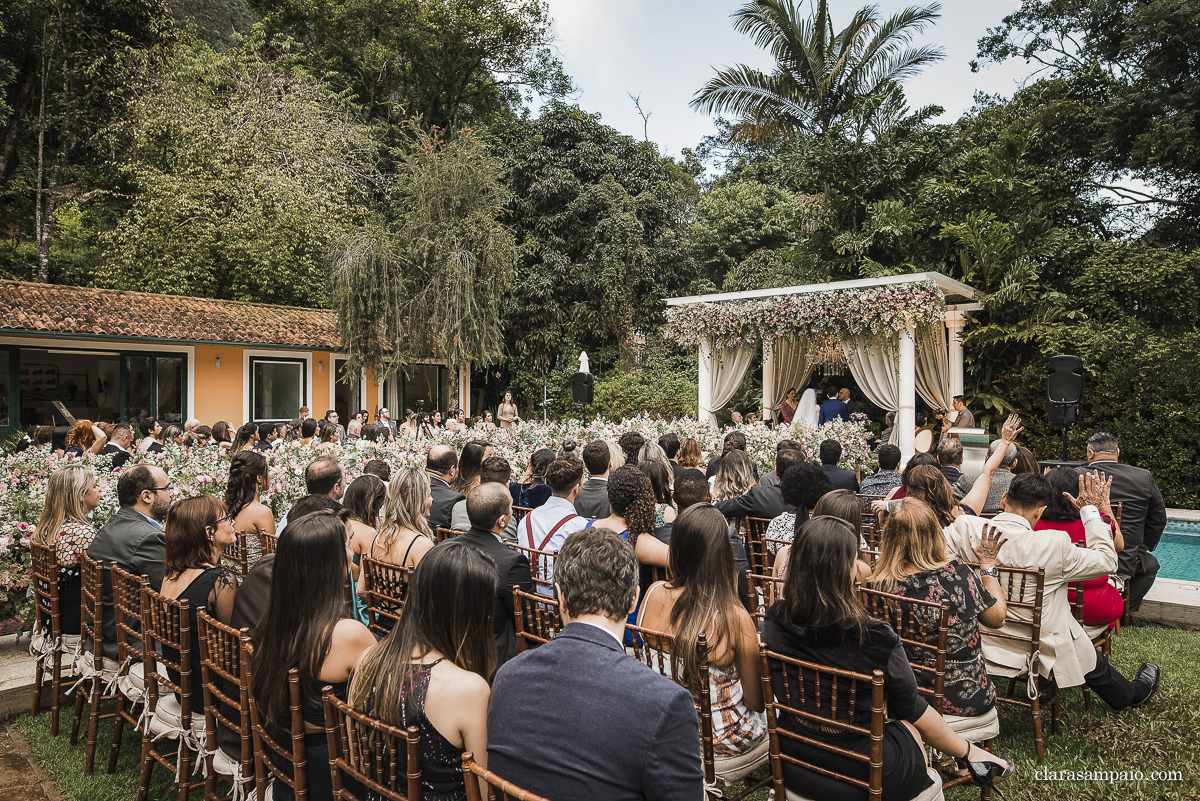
[581, 388]
[1064, 389]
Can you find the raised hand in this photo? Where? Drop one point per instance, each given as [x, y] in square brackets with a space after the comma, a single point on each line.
[1094, 490]
[1012, 428]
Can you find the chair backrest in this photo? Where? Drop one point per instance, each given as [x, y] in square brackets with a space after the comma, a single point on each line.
[869, 533]
[867, 500]
[764, 591]
[923, 627]
[266, 748]
[367, 751]
[756, 544]
[386, 588]
[237, 555]
[226, 684]
[443, 534]
[519, 512]
[167, 632]
[1024, 590]
[91, 612]
[44, 583]
[536, 617]
[797, 695]
[127, 612]
[498, 788]
[268, 542]
[654, 649]
[541, 564]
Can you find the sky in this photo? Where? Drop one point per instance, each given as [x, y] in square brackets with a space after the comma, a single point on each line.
[666, 50]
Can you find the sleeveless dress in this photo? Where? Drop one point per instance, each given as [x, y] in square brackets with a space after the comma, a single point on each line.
[736, 728]
[385, 622]
[316, 750]
[73, 539]
[360, 605]
[197, 594]
[441, 760]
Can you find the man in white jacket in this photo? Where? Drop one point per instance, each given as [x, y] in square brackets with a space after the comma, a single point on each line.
[1067, 652]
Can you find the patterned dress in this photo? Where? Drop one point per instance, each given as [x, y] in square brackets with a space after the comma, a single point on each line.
[72, 540]
[969, 691]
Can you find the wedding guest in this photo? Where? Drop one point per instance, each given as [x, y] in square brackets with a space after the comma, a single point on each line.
[85, 436]
[949, 458]
[404, 535]
[308, 431]
[787, 409]
[152, 436]
[441, 466]
[495, 470]
[631, 443]
[593, 497]
[664, 507]
[831, 454]
[701, 597]
[802, 487]
[329, 434]
[432, 670]
[532, 490]
[222, 435]
[631, 514]
[364, 500]
[773, 478]
[887, 478]
[71, 496]
[469, 463]
[245, 438]
[248, 478]
[689, 453]
[306, 627]
[1026, 463]
[670, 445]
[120, 440]
[507, 411]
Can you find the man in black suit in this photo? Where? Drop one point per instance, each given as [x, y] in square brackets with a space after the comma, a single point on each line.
[441, 465]
[852, 406]
[133, 536]
[120, 440]
[577, 718]
[1143, 514]
[152, 431]
[950, 456]
[593, 498]
[763, 500]
[489, 506]
[669, 442]
[831, 454]
[267, 434]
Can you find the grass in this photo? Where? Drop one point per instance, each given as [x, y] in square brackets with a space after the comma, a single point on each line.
[1165, 736]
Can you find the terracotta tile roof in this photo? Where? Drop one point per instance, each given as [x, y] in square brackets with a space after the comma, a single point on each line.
[100, 313]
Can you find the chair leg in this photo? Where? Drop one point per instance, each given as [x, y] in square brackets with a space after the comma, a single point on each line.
[1055, 718]
[147, 765]
[93, 725]
[56, 693]
[118, 730]
[1087, 699]
[38, 677]
[1037, 730]
[77, 714]
[185, 772]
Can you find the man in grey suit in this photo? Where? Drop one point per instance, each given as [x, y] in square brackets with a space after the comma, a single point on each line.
[593, 497]
[1143, 514]
[133, 537]
[441, 465]
[616, 730]
[1001, 479]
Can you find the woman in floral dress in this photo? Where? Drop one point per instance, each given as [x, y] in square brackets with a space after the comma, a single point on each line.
[71, 495]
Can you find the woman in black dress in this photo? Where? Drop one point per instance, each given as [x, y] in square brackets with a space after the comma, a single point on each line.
[307, 626]
[431, 670]
[820, 620]
[912, 562]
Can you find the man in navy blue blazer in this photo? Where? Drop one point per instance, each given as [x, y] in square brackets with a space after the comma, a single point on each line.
[831, 454]
[577, 717]
[832, 408]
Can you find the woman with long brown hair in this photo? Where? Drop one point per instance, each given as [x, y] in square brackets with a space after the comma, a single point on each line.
[71, 495]
[820, 620]
[701, 598]
[470, 461]
[912, 562]
[432, 670]
[689, 453]
[248, 478]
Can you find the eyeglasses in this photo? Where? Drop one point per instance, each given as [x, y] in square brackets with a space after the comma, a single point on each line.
[160, 489]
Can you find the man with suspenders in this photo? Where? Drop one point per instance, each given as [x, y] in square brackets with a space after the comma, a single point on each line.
[547, 527]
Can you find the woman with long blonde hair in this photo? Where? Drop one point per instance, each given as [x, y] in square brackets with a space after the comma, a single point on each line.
[71, 495]
[734, 476]
[403, 536]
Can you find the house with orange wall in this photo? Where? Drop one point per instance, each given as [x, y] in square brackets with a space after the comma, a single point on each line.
[108, 355]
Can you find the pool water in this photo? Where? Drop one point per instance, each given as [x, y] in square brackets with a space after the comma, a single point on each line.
[1179, 551]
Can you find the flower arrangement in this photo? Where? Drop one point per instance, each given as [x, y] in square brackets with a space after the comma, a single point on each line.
[205, 471]
[873, 312]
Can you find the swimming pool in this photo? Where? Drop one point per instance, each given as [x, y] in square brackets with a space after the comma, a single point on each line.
[1179, 551]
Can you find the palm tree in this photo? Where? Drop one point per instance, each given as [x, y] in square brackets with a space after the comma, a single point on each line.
[819, 75]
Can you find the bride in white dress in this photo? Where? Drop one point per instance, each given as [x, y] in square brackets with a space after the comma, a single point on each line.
[808, 411]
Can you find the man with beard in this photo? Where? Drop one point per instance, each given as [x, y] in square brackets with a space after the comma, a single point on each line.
[133, 537]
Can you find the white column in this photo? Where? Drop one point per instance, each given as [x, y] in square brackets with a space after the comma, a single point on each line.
[955, 320]
[768, 382]
[906, 415]
[705, 398]
[464, 389]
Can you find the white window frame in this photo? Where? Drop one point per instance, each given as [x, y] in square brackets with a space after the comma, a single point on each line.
[279, 356]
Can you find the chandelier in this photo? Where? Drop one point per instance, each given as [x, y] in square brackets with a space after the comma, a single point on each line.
[828, 357]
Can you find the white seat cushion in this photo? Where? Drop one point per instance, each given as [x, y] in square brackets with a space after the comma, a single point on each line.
[975, 729]
[85, 665]
[225, 765]
[133, 684]
[166, 721]
[731, 769]
[932, 793]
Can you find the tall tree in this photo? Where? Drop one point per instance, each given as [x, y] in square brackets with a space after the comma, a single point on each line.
[820, 75]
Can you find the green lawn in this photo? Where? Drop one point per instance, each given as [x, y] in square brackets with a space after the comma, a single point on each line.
[1165, 736]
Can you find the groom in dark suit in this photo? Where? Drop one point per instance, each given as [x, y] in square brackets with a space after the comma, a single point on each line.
[1143, 514]
[579, 718]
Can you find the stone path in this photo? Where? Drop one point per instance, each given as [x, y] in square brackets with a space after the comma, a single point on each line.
[21, 778]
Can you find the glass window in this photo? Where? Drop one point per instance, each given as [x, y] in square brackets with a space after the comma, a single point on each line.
[277, 389]
[139, 388]
[5, 389]
[170, 389]
[424, 383]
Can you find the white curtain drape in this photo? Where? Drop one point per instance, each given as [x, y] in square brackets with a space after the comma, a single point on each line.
[792, 370]
[726, 373]
[933, 371]
[876, 369]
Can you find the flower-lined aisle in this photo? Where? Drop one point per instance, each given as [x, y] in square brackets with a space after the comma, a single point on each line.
[204, 471]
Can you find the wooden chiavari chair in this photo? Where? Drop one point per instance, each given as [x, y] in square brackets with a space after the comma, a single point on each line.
[386, 587]
[541, 567]
[443, 534]
[237, 555]
[267, 750]
[131, 679]
[268, 542]
[498, 788]
[756, 544]
[166, 633]
[367, 751]
[764, 591]
[96, 671]
[226, 702]
[49, 643]
[519, 512]
[536, 618]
